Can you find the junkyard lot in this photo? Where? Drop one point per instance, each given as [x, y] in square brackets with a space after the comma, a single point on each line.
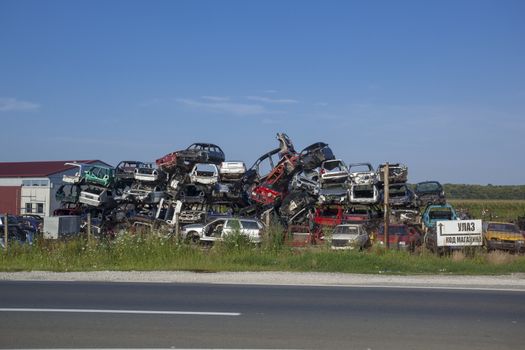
[270, 316]
[151, 198]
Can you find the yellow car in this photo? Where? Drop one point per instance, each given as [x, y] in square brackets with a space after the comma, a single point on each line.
[503, 236]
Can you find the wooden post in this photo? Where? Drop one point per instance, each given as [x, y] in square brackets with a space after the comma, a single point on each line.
[89, 227]
[177, 227]
[386, 195]
[6, 230]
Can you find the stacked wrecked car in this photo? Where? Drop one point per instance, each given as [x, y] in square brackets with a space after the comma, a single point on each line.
[197, 185]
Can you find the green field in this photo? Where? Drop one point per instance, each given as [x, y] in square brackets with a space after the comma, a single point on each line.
[501, 210]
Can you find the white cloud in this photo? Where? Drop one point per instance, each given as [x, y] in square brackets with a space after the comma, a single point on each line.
[224, 107]
[271, 100]
[216, 98]
[12, 104]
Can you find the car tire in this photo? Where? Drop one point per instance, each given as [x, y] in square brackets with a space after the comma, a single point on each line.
[192, 237]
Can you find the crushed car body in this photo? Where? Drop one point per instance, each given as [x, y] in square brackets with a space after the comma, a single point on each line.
[362, 174]
[397, 173]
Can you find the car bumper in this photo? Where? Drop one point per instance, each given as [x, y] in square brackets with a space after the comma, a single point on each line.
[506, 245]
[403, 247]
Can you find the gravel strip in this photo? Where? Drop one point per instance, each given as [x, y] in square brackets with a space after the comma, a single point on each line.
[513, 281]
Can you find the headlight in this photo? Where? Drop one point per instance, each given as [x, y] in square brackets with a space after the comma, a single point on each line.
[402, 243]
[520, 242]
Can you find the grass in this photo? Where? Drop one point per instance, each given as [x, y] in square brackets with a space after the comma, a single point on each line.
[152, 253]
[501, 210]
[146, 253]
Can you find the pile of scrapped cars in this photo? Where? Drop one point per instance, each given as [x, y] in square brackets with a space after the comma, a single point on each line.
[186, 190]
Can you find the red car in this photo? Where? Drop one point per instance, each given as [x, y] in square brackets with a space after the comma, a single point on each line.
[264, 195]
[330, 215]
[400, 236]
[301, 236]
[271, 187]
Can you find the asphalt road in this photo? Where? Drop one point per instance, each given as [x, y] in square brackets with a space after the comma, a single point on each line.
[90, 314]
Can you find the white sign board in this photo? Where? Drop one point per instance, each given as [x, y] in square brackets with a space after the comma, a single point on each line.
[459, 233]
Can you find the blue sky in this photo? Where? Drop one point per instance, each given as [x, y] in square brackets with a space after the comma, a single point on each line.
[437, 85]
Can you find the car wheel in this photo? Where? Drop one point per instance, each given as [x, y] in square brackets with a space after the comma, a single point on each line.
[193, 237]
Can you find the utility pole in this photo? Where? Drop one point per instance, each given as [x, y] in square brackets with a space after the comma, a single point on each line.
[386, 207]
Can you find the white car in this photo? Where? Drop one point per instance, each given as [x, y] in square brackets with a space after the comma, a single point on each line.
[148, 173]
[232, 171]
[218, 229]
[362, 174]
[333, 172]
[349, 236]
[192, 232]
[204, 174]
[95, 196]
[77, 177]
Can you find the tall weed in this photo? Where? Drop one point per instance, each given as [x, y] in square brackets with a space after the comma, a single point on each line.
[236, 253]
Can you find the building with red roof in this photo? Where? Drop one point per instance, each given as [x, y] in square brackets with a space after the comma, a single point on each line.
[30, 187]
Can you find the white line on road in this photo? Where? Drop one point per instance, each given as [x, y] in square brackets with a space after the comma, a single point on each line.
[138, 312]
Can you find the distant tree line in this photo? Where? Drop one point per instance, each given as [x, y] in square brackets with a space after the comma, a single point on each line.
[455, 191]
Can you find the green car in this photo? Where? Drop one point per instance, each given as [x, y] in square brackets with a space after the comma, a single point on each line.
[100, 175]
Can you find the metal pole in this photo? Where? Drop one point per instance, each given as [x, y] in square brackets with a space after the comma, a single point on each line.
[386, 191]
[6, 230]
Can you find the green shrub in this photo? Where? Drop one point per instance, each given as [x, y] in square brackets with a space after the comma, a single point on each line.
[273, 239]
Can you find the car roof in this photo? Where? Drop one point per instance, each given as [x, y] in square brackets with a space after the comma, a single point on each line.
[356, 164]
[203, 144]
[314, 146]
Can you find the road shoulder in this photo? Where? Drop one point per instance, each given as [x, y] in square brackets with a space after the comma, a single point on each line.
[502, 282]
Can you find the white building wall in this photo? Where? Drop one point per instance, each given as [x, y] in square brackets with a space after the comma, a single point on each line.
[35, 195]
[40, 194]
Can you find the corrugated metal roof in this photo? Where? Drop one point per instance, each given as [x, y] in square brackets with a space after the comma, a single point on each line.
[38, 169]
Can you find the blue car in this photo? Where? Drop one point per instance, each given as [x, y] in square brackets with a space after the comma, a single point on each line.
[437, 212]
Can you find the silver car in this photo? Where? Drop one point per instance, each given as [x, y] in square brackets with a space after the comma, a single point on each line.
[218, 229]
[349, 236]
